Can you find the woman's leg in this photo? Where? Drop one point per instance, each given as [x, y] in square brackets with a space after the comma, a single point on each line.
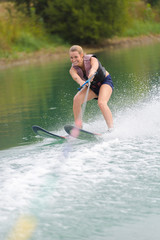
[104, 96]
[77, 103]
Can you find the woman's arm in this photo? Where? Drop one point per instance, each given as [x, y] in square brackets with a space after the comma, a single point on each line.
[94, 66]
[75, 76]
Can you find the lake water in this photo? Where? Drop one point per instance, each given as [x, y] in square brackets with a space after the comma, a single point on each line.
[108, 189]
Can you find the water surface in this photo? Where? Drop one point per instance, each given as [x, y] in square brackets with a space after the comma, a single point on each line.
[104, 189]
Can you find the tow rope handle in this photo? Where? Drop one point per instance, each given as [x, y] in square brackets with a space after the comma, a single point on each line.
[87, 81]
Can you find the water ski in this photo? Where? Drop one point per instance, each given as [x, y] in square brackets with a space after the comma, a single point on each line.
[80, 133]
[44, 133]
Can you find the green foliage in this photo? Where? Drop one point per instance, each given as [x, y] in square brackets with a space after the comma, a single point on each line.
[28, 42]
[149, 14]
[139, 28]
[85, 21]
[154, 2]
[24, 5]
[19, 33]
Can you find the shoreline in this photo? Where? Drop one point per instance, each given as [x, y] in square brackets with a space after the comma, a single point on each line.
[43, 56]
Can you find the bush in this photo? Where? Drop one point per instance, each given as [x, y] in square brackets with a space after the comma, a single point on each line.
[18, 32]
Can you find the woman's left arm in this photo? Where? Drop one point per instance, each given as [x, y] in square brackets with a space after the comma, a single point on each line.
[94, 66]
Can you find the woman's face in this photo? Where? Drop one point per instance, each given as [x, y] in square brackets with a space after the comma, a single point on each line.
[76, 58]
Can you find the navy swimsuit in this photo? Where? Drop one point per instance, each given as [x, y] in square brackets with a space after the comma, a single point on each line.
[95, 86]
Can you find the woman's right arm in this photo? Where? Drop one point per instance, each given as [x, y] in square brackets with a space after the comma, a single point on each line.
[76, 77]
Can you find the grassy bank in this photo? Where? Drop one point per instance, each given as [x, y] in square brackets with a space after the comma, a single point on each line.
[21, 35]
[139, 28]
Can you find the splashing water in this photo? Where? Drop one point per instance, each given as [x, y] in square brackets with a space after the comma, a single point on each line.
[100, 189]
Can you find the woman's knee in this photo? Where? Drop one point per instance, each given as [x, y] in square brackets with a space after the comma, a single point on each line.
[102, 104]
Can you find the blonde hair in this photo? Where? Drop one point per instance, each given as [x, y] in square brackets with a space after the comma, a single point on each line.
[76, 48]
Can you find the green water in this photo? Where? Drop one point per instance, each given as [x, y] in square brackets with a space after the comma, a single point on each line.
[31, 95]
[103, 189]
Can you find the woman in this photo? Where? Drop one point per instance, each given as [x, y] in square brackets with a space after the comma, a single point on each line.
[83, 67]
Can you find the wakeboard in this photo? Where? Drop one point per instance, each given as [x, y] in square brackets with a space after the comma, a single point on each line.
[46, 134]
[80, 133]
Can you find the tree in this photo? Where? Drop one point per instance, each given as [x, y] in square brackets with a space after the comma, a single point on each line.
[85, 21]
[26, 4]
[154, 2]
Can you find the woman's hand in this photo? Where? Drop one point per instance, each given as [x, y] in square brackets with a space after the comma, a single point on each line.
[92, 74]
